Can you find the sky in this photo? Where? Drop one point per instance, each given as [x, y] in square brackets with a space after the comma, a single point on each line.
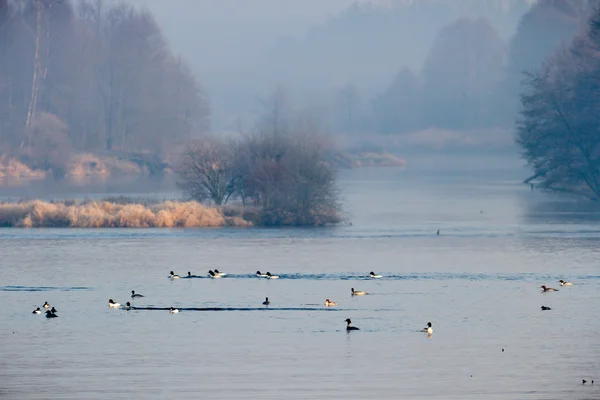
[230, 46]
[229, 29]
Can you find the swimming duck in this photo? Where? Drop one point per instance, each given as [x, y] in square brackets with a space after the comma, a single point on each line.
[269, 276]
[46, 305]
[357, 293]
[563, 283]
[213, 275]
[219, 273]
[173, 310]
[544, 308]
[135, 295]
[329, 303]
[548, 289]
[372, 275]
[173, 276]
[37, 311]
[350, 328]
[261, 275]
[128, 306]
[266, 302]
[112, 304]
[50, 314]
[428, 329]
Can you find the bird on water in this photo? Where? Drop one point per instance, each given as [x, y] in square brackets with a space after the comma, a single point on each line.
[350, 328]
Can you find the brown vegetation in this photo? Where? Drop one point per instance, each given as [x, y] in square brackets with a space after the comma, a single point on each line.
[120, 214]
[13, 168]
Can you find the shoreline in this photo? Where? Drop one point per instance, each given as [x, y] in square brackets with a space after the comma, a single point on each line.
[129, 213]
[106, 214]
[91, 166]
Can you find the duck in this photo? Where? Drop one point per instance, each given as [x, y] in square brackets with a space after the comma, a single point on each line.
[135, 295]
[37, 311]
[428, 329]
[350, 328]
[260, 274]
[548, 289]
[266, 302]
[372, 275]
[218, 273]
[213, 275]
[50, 314]
[329, 303]
[46, 305]
[173, 275]
[128, 306]
[112, 304]
[564, 283]
[269, 276]
[357, 293]
[545, 308]
[173, 310]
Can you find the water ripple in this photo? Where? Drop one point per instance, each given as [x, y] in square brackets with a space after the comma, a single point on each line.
[41, 288]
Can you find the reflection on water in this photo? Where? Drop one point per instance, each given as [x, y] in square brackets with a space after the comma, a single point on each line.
[478, 283]
[555, 209]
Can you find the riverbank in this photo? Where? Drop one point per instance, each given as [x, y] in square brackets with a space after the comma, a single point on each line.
[124, 212]
[86, 165]
[107, 214]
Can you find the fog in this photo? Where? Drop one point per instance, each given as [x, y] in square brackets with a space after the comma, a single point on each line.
[423, 68]
[242, 49]
[136, 79]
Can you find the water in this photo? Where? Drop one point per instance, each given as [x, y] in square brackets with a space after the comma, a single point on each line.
[478, 283]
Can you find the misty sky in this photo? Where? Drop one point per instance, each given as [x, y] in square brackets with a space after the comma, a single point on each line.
[209, 25]
[238, 48]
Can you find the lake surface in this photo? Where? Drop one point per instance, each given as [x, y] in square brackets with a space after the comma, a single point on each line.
[478, 283]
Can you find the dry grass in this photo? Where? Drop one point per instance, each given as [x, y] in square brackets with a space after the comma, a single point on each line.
[87, 164]
[93, 165]
[13, 168]
[104, 214]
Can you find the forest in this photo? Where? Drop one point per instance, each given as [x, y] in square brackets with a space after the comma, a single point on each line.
[88, 77]
[471, 78]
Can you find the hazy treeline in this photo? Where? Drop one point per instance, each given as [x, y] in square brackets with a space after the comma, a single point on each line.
[89, 75]
[281, 168]
[560, 125]
[471, 78]
[409, 66]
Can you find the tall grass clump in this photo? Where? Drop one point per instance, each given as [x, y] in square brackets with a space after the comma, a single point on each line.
[105, 214]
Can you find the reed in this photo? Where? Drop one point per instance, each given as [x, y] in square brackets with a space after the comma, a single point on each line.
[120, 214]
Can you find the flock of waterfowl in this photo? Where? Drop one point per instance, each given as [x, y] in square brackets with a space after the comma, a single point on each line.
[218, 274]
[51, 313]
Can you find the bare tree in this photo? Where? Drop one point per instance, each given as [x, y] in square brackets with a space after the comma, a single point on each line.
[348, 100]
[559, 129]
[206, 171]
[49, 149]
[36, 64]
[104, 69]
